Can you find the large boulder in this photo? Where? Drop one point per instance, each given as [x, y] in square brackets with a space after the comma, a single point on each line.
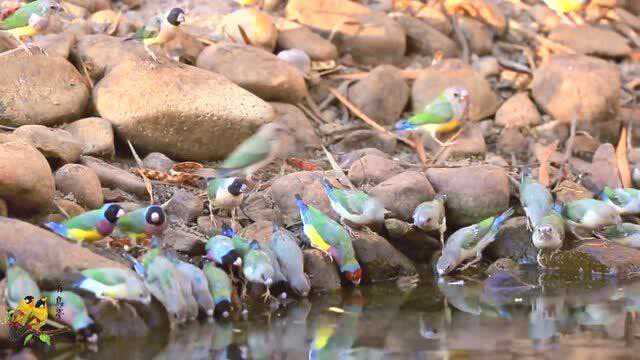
[182, 118]
[584, 87]
[26, 182]
[473, 193]
[256, 70]
[380, 260]
[401, 194]
[43, 90]
[55, 144]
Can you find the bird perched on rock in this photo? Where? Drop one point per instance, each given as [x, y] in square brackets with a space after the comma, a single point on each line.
[354, 205]
[445, 113]
[627, 234]
[257, 267]
[626, 201]
[469, 242]
[255, 152]
[226, 193]
[548, 233]
[590, 214]
[199, 285]
[29, 20]
[19, 284]
[159, 30]
[535, 198]
[280, 283]
[89, 226]
[220, 249]
[114, 284]
[144, 222]
[430, 216]
[330, 237]
[220, 287]
[290, 257]
[69, 308]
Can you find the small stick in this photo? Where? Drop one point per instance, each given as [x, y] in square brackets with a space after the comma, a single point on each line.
[61, 209]
[147, 182]
[623, 161]
[8, 128]
[464, 44]
[337, 168]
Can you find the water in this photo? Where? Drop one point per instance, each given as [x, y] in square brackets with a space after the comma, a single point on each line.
[452, 318]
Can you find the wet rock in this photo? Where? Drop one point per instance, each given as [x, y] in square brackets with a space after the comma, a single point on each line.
[306, 183]
[115, 177]
[453, 72]
[503, 265]
[402, 193]
[147, 106]
[474, 193]
[317, 47]
[349, 158]
[380, 260]
[512, 141]
[82, 183]
[411, 241]
[122, 321]
[372, 170]
[43, 90]
[26, 182]
[157, 161]
[100, 53]
[382, 95]
[299, 125]
[479, 35]
[45, 255]
[185, 240]
[604, 168]
[382, 41]
[258, 26]
[366, 138]
[591, 40]
[259, 206]
[321, 271]
[96, 134]
[426, 40]
[518, 111]
[270, 78]
[514, 242]
[185, 205]
[567, 84]
[470, 143]
[53, 143]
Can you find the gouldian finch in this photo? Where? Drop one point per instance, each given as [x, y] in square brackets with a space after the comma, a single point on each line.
[255, 152]
[247, 2]
[354, 205]
[114, 284]
[69, 308]
[289, 255]
[29, 20]
[430, 216]
[535, 198]
[280, 284]
[225, 193]
[199, 285]
[89, 226]
[240, 244]
[220, 249]
[257, 267]
[469, 242]
[626, 201]
[330, 237]
[627, 234]
[19, 285]
[159, 30]
[590, 214]
[548, 234]
[220, 287]
[144, 222]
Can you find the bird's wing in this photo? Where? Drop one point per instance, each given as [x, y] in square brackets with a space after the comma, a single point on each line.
[576, 210]
[356, 201]
[20, 18]
[85, 221]
[437, 112]
[253, 150]
[103, 275]
[472, 238]
[150, 30]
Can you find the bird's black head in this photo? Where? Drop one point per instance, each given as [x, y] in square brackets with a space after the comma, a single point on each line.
[223, 310]
[113, 212]
[230, 258]
[42, 302]
[236, 187]
[28, 299]
[155, 215]
[175, 17]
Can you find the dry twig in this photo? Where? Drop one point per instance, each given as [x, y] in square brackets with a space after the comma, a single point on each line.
[622, 160]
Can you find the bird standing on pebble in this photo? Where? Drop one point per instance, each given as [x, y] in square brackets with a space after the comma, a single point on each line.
[220, 287]
[89, 226]
[159, 30]
[225, 193]
[430, 216]
[143, 223]
[549, 232]
[257, 267]
[290, 257]
[29, 20]
[589, 214]
[354, 205]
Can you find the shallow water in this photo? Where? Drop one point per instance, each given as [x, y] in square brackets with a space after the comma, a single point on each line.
[450, 318]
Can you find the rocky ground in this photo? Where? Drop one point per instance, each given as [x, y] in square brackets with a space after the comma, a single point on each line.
[530, 77]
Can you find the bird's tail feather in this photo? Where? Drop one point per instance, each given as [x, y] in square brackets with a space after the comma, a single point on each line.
[501, 219]
[300, 203]
[58, 228]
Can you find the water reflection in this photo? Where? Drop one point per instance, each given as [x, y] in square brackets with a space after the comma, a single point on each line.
[447, 318]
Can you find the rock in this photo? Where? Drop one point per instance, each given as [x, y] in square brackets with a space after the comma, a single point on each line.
[317, 47]
[157, 161]
[349, 158]
[411, 241]
[359, 139]
[69, 207]
[26, 182]
[503, 265]
[567, 84]
[372, 170]
[453, 72]
[186, 47]
[100, 53]
[4, 208]
[518, 111]
[322, 272]
[298, 59]
[382, 94]
[147, 106]
[93, 5]
[306, 183]
[185, 240]
[259, 206]
[96, 134]
[257, 25]
[58, 45]
[514, 242]
[512, 141]
[43, 90]
[261, 231]
[474, 193]
[426, 40]
[552, 131]
[53, 143]
[604, 168]
[82, 183]
[185, 205]
[585, 146]
[301, 128]
[382, 41]
[591, 40]
[380, 260]
[545, 16]
[436, 19]
[112, 319]
[479, 35]
[486, 66]
[271, 78]
[470, 143]
[114, 177]
[401, 194]
[45, 255]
